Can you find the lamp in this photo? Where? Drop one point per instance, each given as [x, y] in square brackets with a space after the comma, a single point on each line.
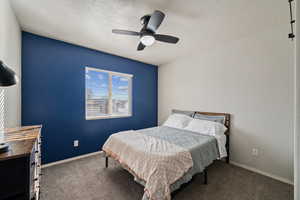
[7, 78]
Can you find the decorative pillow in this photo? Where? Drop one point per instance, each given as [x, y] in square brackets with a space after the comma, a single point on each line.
[206, 127]
[219, 119]
[183, 112]
[177, 121]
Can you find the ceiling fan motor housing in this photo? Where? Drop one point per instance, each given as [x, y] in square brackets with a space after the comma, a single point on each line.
[145, 19]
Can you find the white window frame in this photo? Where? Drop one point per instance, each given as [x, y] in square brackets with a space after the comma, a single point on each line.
[110, 74]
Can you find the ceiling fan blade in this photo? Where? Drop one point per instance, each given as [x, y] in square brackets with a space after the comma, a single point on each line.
[166, 38]
[155, 20]
[125, 32]
[141, 47]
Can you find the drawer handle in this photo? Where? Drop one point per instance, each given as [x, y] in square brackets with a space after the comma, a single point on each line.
[36, 151]
[33, 163]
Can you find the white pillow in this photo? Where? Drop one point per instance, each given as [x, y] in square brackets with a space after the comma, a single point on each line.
[177, 121]
[206, 127]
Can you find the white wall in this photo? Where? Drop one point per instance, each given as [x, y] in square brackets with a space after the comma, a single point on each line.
[297, 119]
[250, 77]
[10, 53]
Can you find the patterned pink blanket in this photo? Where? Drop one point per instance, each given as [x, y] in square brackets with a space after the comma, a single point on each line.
[157, 162]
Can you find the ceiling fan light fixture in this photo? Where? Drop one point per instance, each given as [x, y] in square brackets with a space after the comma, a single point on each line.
[147, 40]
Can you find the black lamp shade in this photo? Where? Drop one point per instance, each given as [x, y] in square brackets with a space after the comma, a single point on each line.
[7, 76]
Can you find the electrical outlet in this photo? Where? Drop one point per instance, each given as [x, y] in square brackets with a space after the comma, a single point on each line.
[76, 143]
[254, 152]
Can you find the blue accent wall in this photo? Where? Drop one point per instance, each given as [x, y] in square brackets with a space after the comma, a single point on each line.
[53, 94]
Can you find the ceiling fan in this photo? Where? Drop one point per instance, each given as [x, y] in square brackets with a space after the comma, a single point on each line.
[148, 33]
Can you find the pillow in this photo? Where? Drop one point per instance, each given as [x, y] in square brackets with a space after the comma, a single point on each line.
[219, 119]
[177, 121]
[183, 112]
[206, 127]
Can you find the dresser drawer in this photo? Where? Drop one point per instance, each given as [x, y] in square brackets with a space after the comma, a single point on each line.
[14, 176]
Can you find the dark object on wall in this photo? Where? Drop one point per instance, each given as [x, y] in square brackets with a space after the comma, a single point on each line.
[20, 168]
[7, 76]
[291, 35]
[148, 33]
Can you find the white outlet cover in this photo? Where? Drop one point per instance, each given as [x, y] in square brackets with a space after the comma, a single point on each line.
[255, 152]
[76, 143]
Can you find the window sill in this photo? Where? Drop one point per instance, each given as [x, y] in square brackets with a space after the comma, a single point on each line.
[107, 117]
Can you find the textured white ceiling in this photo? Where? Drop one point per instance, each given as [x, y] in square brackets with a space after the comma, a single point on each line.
[200, 24]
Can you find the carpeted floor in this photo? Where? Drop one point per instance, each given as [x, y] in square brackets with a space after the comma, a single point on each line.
[87, 179]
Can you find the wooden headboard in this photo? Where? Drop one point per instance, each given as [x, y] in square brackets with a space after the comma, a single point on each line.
[226, 123]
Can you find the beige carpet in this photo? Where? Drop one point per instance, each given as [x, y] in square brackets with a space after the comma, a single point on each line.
[87, 179]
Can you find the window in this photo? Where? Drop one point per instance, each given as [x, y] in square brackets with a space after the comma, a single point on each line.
[108, 94]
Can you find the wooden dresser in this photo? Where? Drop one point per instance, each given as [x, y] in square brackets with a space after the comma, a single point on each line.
[20, 167]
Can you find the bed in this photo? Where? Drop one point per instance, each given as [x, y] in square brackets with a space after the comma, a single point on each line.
[163, 158]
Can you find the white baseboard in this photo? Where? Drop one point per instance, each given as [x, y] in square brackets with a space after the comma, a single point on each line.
[284, 180]
[71, 159]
